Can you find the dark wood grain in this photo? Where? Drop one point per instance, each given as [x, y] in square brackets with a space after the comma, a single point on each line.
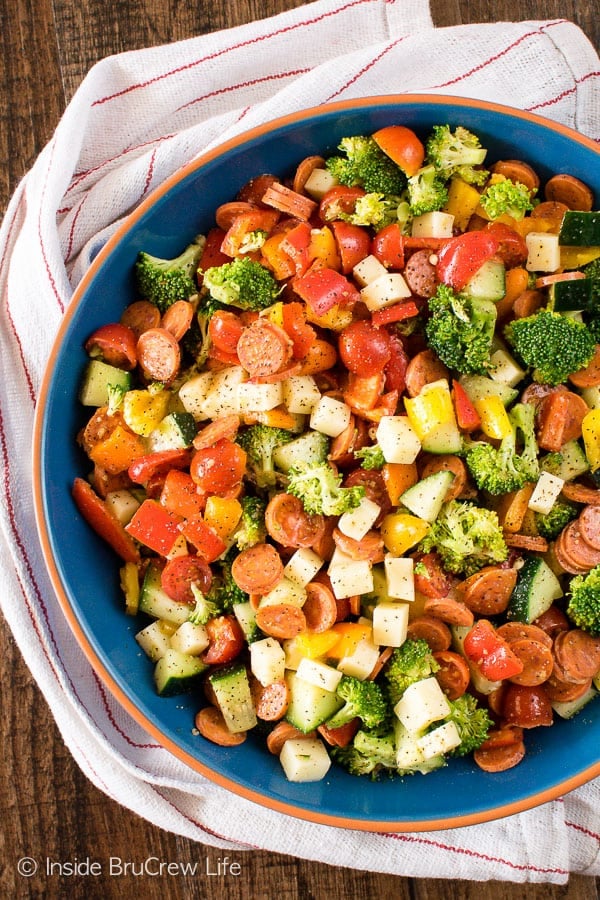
[48, 807]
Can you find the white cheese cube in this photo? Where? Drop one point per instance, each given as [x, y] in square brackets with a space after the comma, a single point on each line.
[190, 638]
[285, 591]
[421, 704]
[433, 224]
[361, 662]
[193, 395]
[385, 291]
[259, 397]
[349, 576]
[294, 654]
[591, 396]
[302, 566]
[319, 674]
[439, 741]
[122, 505]
[300, 394]
[505, 369]
[400, 577]
[330, 416]
[267, 661]
[397, 439]
[367, 270]
[390, 623]
[543, 252]
[545, 494]
[154, 640]
[319, 182]
[222, 398]
[408, 753]
[357, 522]
[304, 759]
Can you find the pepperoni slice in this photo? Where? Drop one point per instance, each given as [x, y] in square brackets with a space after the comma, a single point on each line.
[517, 171]
[227, 427]
[589, 526]
[180, 573]
[420, 274]
[281, 620]
[447, 462]
[159, 355]
[519, 631]
[453, 675]
[499, 759]
[283, 732]
[575, 549]
[370, 547]
[488, 591]
[537, 662]
[264, 348]
[320, 607]
[424, 368]
[552, 212]
[578, 653]
[341, 736]
[579, 493]
[178, 318]
[571, 191]
[432, 630]
[560, 691]
[375, 489]
[532, 542]
[141, 316]
[271, 701]
[227, 213]
[210, 723]
[590, 375]
[289, 524]
[304, 170]
[449, 610]
[258, 569]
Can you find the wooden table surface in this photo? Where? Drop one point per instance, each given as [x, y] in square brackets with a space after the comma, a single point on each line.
[48, 807]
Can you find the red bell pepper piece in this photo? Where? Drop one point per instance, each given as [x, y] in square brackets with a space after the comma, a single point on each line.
[296, 243]
[490, 653]
[155, 464]
[204, 538]
[324, 288]
[96, 513]
[397, 313]
[467, 417]
[155, 527]
[181, 495]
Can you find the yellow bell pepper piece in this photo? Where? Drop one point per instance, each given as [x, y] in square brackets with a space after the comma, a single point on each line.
[494, 418]
[130, 586]
[315, 646]
[349, 636]
[575, 257]
[590, 430]
[335, 319]
[401, 531]
[398, 477]
[463, 200]
[223, 514]
[144, 410]
[275, 313]
[323, 246]
[431, 414]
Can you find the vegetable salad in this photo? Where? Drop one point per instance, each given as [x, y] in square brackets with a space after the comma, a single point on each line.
[347, 449]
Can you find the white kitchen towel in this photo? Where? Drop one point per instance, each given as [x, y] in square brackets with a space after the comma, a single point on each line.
[136, 119]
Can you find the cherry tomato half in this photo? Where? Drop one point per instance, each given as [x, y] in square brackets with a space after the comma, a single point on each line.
[180, 573]
[462, 256]
[353, 243]
[115, 344]
[225, 330]
[364, 349]
[512, 248]
[218, 468]
[226, 640]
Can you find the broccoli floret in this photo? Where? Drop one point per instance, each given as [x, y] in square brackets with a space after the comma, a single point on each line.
[259, 442]
[460, 330]
[499, 470]
[251, 529]
[506, 197]
[368, 754]
[370, 457]
[374, 210]
[364, 699]
[115, 392]
[163, 281]
[583, 607]
[472, 721]
[408, 663]
[243, 283]
[319, 488]
[466, 537]
[365, 165]
[551, 344]
[593, 326]
[204, 609]
[426, 191]
[550, 525]
[456, 153]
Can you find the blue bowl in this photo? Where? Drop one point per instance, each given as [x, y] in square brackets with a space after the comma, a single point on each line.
[85, 573]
